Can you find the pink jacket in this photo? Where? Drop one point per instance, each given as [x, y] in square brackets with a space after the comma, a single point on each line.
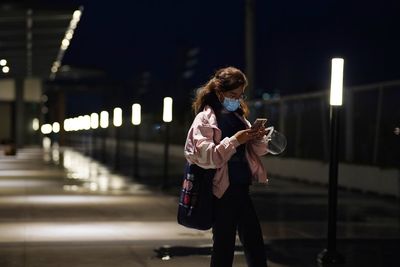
[205, 148]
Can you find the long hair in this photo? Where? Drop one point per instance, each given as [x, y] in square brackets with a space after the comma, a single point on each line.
[225, 79]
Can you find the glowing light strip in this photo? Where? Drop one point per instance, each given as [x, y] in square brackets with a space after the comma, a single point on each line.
[76, 16]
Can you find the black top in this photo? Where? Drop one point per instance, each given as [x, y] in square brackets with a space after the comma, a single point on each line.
[229, 124]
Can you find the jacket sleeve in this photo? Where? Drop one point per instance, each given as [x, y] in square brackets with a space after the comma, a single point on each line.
[260, 147]
[201, 148]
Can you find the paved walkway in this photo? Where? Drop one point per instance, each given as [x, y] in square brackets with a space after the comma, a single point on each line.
[58, 208]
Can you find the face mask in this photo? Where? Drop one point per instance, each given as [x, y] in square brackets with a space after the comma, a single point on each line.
[231, 104]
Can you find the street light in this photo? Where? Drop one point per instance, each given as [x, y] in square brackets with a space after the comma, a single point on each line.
[167, 118]
[56, 127]
[56, 130]
[35, 124]
[136, 120]
[6, 69]
[167, 109]
[94, 120]
[46, 129]
[330, 255]
[337, 82]
[104, 122]
[117, 121]
[85, 120]
[136, 114]
[117, 117]
[94, 124]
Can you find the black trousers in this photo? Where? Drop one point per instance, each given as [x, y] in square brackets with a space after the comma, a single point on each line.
[234, 212]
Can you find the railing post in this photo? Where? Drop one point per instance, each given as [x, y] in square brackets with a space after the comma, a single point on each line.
[377, 125]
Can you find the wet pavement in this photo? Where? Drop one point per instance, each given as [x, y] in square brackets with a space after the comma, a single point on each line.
[60, 208]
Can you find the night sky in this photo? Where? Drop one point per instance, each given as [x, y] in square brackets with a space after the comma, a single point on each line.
[295, 40]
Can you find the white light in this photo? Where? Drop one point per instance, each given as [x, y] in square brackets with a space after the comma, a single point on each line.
[167, 111]
[94, 120]
[56, 127]
[70, 125]
[81, 123]
[35, 124]
[104, 119]
[54, 69]
[3, 62]
[337, 82]
[76, 124]
[117, 117]
[69, 35]
[5, 69]
[86, 122]
[46, 129]
[77, 15]
[136, 114]
[67, 125]
[65, 42]
[73, 24]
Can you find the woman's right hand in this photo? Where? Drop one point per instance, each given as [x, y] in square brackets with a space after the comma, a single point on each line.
[244, 136]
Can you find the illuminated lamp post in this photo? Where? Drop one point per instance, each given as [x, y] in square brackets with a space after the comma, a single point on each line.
[167, 118]
[104, 123]
[330, 255]
[86, 127]
[117, 121]
[136, 120]
[94, 124]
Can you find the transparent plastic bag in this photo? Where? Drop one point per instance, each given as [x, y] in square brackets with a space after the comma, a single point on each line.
[276, 141]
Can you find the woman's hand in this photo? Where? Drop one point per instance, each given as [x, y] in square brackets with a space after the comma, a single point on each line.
[244, 136]
[260, 132]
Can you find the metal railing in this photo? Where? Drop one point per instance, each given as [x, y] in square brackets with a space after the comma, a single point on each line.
[369, 116]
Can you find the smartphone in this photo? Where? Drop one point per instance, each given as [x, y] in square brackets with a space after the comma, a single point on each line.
[259, 122]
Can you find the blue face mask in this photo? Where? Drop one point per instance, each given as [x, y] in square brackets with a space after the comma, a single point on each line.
[231, 104]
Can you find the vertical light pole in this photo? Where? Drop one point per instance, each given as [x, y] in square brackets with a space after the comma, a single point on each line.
[136, 120]
[46, 129]
[86, 134]
[117, 121]
[104, 122]
[94, 124]
[56, 130]
[68, 127]
[167, 118]
[330, 255]
[81, 136]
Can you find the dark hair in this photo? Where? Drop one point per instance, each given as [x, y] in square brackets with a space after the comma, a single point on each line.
[225, 79]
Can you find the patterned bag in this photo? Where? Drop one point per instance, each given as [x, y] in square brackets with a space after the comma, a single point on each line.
[196, 209]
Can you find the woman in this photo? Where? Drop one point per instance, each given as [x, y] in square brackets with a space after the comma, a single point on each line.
[220, 138]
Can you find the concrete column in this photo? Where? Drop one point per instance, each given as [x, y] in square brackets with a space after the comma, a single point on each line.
[249, 46]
